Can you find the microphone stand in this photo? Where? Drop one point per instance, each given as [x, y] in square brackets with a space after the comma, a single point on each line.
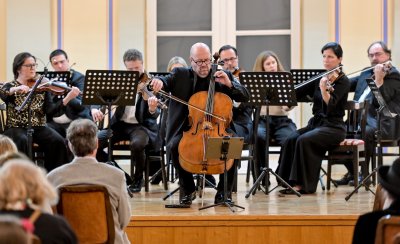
[28, 102]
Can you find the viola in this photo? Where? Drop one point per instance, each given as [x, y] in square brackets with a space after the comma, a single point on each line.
[144, 91]
[193, 145]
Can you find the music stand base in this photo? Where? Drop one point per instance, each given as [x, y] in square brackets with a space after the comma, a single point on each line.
[363, 183]
[226, 203]
[261, 177]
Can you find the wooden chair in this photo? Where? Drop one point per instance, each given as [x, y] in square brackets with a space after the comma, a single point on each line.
[380, 198]
[88, 210]
[379, 153]
[351, 148]
[388, 230]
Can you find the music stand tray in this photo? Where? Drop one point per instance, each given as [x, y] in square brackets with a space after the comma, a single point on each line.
[224, 148]
[269, 88]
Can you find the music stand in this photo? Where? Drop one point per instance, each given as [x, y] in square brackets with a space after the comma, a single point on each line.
[110, 87]
[382, 110]
[224, 148]
[305, 91]
[269, 88]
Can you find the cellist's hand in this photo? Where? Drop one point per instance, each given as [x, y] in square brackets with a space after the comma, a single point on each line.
[156, 84]
[222, 77]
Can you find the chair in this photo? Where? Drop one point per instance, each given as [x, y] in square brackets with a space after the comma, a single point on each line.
[380, 198]
[388, 230]
[351, 148]
[378, 154]
[88, 210]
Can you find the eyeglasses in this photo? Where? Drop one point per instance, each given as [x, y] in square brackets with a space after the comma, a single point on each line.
[378, 54]
[30, 66]
[226, 60]
[201, 62]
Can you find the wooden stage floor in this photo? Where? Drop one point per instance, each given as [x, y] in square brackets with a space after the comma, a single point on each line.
[323, 217]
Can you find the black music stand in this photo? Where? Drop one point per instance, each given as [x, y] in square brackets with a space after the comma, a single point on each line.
[305, 91]
[269, 88]
[110, 87]
[28, 102]
[382, 110]
[224, 148]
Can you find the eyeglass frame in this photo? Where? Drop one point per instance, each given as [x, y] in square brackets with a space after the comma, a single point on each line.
[377, 54]
[229, 59]
[201, 62]
[30, 66]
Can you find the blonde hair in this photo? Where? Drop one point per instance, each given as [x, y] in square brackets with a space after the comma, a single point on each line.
[176, 60]
[23, 182]
[7, 145]
[259, 63]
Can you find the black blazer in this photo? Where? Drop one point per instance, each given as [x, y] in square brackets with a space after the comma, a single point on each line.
[180, 83]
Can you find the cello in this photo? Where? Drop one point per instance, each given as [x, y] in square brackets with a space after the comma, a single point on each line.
[193, 145]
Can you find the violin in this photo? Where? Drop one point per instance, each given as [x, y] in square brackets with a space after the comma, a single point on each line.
[145, 92]
[53, 86]
[326, 74]
[387, 66]
[236, 72]
[332, 77]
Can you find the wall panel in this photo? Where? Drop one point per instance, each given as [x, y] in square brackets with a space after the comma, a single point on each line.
[3, 43]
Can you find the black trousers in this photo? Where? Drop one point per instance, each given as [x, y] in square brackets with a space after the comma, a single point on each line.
[138, 141]
[52, 144]
[302, 154]
[186, 181]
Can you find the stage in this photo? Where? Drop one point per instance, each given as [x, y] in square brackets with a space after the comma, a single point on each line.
[323, 217]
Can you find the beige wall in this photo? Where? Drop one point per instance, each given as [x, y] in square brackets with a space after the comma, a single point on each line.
[3, 45]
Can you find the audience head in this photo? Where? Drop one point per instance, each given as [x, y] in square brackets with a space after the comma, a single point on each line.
[59, 60]
[200, 59]
[133, 60]
[228, 54]
[24, 65]
[7, 145]
[82, 137]
[23, 184]
[175, 62]
[389, 178]
[267, 61]
[12, 230]
[378, 52]
[11, 155]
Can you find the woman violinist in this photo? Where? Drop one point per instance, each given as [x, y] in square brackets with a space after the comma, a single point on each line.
[183, 83]
[302, 153]
[14, 94]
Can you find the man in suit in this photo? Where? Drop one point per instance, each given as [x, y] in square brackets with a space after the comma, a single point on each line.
[387, 78]
[183, 83]
[85, 169]
[138, 124]
[389, 178]
[74, 109]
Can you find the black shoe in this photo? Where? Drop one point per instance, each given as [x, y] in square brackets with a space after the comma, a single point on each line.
[360, 179]
[136, 186]
[187, 199]
[288, 191]
[344, 180]
[156, 180]
[212, 181]
[219, 198]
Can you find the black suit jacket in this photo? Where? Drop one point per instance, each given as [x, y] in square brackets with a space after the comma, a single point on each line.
[143, 116]
[366, 225]
[181, 84]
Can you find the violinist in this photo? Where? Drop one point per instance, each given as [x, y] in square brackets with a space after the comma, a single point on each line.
[74, 109]
[183, 83]
[387, 78]
[302, 153]
[280, 125]
[14, 94]
[138, 124]
[242, 122]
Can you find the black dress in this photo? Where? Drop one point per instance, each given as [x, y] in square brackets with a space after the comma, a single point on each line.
[302, 153]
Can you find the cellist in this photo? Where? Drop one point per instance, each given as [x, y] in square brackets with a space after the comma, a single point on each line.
[183, 83]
